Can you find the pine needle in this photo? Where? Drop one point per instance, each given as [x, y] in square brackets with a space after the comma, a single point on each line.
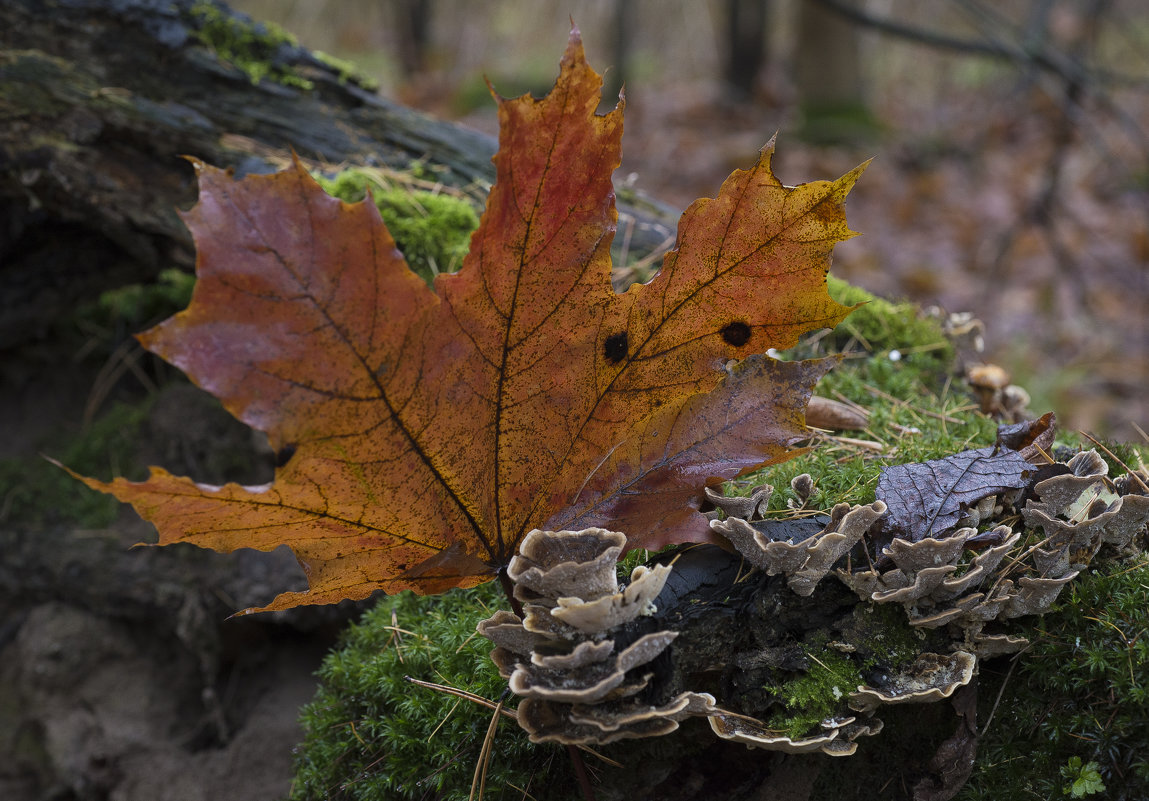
[480, 779]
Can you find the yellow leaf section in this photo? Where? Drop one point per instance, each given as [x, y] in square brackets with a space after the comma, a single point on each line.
[748, 273]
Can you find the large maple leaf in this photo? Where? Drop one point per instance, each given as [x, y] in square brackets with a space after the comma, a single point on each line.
[429, 431]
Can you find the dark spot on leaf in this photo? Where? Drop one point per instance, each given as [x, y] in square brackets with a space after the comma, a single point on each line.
[736, 334]
[284, 454]
[614, 349]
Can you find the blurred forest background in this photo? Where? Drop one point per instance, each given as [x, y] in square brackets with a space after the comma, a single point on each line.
[1011, 142]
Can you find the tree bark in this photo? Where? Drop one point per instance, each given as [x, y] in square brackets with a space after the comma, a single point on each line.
[100, 98]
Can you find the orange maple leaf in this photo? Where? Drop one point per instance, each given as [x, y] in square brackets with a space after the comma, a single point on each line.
[431, 430]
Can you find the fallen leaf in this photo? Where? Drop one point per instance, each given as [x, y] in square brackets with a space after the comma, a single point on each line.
[926, 499]
[834, 415]
[426, 432]
[1033, 439]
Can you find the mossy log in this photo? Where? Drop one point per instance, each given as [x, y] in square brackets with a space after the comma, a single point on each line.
[100, 98]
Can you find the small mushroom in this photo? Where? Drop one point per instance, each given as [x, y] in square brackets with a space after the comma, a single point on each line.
[613, 610]
[558, 563]
[589, 682]
[983, 565]
[585, 653]
[1036, 595]
[928, 552]
[547, 722]
[925, 582]
[988, 381]
[803, 488]
[607, 718]
[754, 734]
[991, 645]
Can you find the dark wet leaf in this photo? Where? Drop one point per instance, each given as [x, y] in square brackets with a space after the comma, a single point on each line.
[1033, 439]
[926, 499]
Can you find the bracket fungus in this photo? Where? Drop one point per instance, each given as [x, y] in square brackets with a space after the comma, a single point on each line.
[578, 682]
[1082, 509]
[804, 562]
[931, 677]
[767, 661]
[836, 738]
[738, 506]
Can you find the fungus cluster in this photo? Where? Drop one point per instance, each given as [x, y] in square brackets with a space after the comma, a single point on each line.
[807, 561]
[579, 682]
[1081, 509]
[582, 655]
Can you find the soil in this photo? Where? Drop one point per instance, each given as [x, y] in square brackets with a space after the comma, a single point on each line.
[123, 675]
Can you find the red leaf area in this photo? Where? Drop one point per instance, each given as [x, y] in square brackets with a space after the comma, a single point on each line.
[432, 429]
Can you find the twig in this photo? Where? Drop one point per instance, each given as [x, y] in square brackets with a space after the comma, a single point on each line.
[580, 773]
[443, 722]
[1001, 692]
[1140, 431]
[472, 697]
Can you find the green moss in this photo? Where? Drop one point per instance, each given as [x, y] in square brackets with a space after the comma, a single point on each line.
[372, 735]
[134, 305]
[877, 638]
[880, 326]
[818, 693]
[433, 230]
[35, 492]
[890, 642]
[1081, 692]
[347, 70]
[251, 46]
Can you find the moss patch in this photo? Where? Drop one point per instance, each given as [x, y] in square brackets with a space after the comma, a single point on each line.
[373, 735]
[433, 230]
[818, 693]
[253, 47]
[1081, 692]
